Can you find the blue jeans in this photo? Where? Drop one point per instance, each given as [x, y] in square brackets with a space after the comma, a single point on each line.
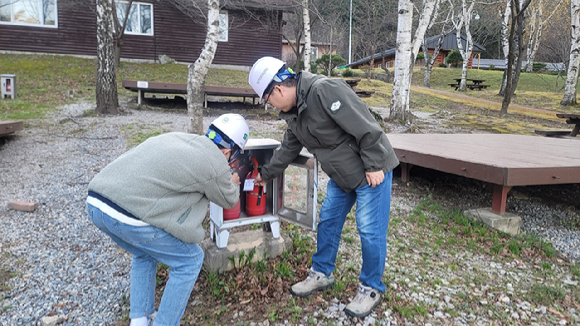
[372, 220]
[149, 245]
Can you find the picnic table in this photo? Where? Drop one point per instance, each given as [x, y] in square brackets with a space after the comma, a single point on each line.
[143, 87]
[571, 119]
[475, 84]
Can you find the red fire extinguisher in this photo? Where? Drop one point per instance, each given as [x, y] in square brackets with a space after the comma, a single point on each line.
[234, 212]
[8, 87]
[255, 204]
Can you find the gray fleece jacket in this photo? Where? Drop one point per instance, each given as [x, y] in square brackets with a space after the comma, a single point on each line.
[167, 182]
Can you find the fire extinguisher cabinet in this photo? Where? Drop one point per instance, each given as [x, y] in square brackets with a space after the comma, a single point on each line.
[8, 83]
[298, 181]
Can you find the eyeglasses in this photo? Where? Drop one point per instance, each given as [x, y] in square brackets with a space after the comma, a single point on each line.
[267, 99]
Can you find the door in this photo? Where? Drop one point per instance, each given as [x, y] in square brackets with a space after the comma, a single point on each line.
[297, 190]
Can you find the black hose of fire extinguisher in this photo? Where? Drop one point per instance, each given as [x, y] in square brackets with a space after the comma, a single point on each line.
[259, 196]
[259, 189]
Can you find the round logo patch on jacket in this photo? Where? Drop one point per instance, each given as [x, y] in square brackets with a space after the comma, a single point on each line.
[335, 106]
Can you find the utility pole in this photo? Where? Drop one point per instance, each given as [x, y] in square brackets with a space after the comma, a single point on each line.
[350, 35]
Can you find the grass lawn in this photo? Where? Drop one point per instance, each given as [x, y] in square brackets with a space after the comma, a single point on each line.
[45, 82]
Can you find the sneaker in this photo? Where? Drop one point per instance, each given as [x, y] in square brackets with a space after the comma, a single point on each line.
[365, 301]
[314, 282]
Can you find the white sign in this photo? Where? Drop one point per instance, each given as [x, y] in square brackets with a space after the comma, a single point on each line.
[249, 185]
[142, 84]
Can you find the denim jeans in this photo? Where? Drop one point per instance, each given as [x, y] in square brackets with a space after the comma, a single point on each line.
[372, 220]
[149, 245]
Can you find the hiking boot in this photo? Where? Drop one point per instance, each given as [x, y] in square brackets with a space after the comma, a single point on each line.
[365, 301]
[314, 282]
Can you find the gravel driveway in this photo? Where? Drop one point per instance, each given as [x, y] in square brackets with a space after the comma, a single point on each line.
[68, 272]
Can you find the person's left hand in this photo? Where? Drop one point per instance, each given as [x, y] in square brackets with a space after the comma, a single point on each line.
[375, 178]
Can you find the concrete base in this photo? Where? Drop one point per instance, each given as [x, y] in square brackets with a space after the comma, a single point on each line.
[218, 260]
[507, 223]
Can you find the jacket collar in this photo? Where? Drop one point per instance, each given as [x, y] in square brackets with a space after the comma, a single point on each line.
[303, 87]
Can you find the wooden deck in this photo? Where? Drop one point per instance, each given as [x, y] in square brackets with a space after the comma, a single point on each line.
[501, 160]
[143, 87]
[9, 127]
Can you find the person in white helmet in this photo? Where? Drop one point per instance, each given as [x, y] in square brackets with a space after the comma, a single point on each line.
[327, 117]
[152, 201]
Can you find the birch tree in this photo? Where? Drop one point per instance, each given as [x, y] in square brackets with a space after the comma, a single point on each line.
[106, 84]
[537, 26]
[515, 51]
[462, 23]
[430, 59]
[198, 70]
[574, 65]
[505, 42]
[407, 49]
[307, 38]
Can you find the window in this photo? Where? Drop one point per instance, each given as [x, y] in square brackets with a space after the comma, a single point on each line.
[388, 64]
[313, 52]
[223, 37]
[140, 19]
[28, 12]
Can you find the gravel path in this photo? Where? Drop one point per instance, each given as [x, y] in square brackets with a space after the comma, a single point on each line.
[69, 272]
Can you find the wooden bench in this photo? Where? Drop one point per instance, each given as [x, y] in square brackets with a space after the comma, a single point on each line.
[477, 86]
[454, 85]
[143, 87]
[553, 133]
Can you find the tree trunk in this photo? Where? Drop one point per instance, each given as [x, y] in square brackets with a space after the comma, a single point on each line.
[403, 64]
[431, 62]
[463, 23]
[372, 63]
[574, 65]
[120, 30]
[106, 85]
[534, 36]
[517, 27]
[329, 71]
[307, 41]
[198, 70]
[505, 43]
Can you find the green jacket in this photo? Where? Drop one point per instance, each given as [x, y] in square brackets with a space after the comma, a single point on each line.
[167, 181]
[332, 122]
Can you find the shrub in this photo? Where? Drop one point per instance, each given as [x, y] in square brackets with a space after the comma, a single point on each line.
[323, 61]
[313, 67]
[420, 56]
[454, 58]
[347, 73]
[442, 65]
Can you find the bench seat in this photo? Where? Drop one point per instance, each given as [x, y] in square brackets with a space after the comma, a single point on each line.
[553, 132]
[478, 87]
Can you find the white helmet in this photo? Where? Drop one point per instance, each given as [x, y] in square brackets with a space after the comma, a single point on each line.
[232, 125]
[262, 73]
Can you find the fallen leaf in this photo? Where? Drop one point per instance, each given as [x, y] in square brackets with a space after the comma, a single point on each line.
[556, 312]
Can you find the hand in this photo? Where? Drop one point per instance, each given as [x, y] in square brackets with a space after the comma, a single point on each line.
[375, 178]
[235, 178]
[259, 181]
[310, 163]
